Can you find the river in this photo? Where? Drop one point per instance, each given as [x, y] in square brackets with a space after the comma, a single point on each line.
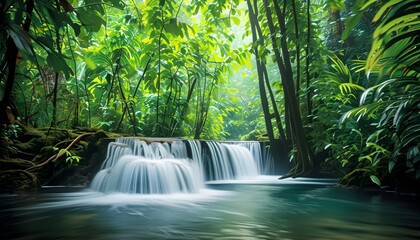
[262, 208]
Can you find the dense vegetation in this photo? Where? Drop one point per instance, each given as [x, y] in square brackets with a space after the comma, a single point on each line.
[333, 85]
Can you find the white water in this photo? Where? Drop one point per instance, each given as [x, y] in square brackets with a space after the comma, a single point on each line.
[134, 166]
[230, 161]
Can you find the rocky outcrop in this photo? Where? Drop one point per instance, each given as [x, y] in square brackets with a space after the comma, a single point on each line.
[31, 158]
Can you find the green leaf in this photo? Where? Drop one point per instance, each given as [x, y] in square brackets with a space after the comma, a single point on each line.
[391, 166]
[383, 9]
[62, 151]
[91, 64]
[174, 29]
[235, 20]
[375, 180]
[90, 19]
[351, 24]
[370, 2]
[48, 42]
[58, 64]
[21, 39]
[117, 4]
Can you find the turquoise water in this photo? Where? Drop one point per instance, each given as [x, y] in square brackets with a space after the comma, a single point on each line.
[265, 208]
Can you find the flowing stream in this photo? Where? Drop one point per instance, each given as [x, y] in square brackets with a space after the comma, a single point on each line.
[210, 190]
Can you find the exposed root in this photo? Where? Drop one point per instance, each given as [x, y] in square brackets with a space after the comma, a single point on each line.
[348, 177]
[55, 157]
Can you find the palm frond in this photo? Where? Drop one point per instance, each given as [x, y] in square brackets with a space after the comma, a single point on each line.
[396, 37]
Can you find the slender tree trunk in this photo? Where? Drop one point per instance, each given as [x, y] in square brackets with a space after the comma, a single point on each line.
[55, 89]
[307, 52]
[56, 75]
[302, 151]
[75, 122]
[10, 65]
[134, 93]
[158, 128]
[276, 113]
[89, 122]
[169, 101]
[187, 100]
[126, 104]
[276, 147]
[295, 16]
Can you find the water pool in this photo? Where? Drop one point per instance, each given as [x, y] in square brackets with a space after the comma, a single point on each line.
[264, 208]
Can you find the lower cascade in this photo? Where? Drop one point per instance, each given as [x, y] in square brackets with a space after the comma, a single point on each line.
[134, 166]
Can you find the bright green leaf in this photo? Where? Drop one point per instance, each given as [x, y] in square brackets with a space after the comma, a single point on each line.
[375, 180]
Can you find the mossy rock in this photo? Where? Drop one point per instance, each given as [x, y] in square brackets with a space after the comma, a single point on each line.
[18, 181]
[15, 163]
[60, 134]
[35, 144]
[14, 153]
[81, 130]
[77, 179]
[96, 137]
[28, 136]
[4, 148]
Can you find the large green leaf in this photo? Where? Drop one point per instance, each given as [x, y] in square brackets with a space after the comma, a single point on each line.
[58, 63]
[90, 19]
[21, 39]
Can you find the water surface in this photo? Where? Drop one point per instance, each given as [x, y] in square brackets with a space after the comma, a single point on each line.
[265, 208]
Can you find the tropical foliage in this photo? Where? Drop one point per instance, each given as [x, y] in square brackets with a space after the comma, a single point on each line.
[393, 100]
[332, 85]
[153, 68]
[378, 140]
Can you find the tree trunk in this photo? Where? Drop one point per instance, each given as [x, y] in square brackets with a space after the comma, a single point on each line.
[307, 52]
[301, 150]
[275, 145]
[10, 66]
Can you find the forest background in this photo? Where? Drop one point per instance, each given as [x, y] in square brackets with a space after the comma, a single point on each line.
[333, 85]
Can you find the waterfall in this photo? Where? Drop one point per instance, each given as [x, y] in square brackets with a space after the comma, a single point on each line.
[135, 166]
[135, 174]
[255, 149]
[196, 156]
[114, 152]
[229, 161]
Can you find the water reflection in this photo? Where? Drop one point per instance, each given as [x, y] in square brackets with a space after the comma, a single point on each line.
[303, 209]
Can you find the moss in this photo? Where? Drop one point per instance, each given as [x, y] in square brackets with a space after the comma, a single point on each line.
[4, 148]
[22, 158]
[18, 180]
[35, 144]
[59, 134]
[27, 136]
[10, 164]
[48, 150]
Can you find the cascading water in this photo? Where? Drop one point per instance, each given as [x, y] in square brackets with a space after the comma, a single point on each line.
[134, 166]
[229, 161]
[146, 169]
[255, 149]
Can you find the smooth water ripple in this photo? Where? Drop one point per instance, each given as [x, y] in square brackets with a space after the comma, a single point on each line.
[266, 208]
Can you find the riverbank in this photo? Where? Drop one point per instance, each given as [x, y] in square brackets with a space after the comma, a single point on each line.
[31, 158]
